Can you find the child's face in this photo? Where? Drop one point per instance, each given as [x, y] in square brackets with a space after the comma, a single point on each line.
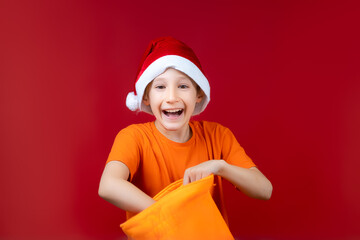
[172, 97]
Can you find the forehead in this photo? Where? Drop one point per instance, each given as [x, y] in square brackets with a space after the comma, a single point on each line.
[172, 73]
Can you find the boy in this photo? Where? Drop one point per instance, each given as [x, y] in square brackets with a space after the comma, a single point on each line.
[145, 158]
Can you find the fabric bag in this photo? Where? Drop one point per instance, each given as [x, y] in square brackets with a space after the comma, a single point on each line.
[180, 212]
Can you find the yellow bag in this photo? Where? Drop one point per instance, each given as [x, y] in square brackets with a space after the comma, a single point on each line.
[181, 212]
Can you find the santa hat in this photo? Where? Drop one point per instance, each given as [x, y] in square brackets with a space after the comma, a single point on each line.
[161, 54]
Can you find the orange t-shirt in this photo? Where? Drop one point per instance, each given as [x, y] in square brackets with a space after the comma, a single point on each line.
[155, 161]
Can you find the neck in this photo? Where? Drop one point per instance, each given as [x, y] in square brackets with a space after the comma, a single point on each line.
[180, 136]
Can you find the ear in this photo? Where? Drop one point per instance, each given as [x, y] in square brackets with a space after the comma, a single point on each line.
[200, 96]
[146, 100]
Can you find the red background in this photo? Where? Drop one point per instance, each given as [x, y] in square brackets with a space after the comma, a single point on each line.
[284, 77]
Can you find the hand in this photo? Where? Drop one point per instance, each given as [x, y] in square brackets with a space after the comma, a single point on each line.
[202, 170]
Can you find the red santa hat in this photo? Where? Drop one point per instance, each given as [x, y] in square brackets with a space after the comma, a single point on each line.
[161, 54]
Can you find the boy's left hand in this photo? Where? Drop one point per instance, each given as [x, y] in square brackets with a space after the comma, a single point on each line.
[202, 170]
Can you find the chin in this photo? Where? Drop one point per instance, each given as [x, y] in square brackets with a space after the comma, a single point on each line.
[173, 126]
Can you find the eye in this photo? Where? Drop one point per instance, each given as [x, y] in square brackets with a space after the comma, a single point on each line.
[183, 86]
[160, 86]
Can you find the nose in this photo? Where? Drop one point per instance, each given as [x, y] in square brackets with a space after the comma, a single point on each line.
[171, 95]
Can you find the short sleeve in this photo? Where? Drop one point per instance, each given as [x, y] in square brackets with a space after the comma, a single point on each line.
[126, 149]
[233, 153]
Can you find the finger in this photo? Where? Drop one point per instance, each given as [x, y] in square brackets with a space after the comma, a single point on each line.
[198, 176]
[186, 178]
[204, 175]
[192, 177]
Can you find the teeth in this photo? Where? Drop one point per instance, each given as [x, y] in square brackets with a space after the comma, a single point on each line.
[173, 111]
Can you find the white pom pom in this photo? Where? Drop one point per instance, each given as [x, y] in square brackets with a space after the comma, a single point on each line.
[132, 101]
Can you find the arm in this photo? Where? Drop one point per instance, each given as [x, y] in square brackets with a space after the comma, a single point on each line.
[115, 189]
[250, 181]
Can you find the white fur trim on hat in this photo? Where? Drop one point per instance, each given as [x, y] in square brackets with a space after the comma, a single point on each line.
[158, 67]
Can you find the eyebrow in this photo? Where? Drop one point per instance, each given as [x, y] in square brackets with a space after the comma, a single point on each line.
[179, 78]
[158, 80]
[184, 78]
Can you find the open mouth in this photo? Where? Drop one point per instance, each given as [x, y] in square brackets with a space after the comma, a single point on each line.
[173, 113]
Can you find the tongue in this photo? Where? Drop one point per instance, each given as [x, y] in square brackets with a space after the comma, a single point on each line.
[173, 115]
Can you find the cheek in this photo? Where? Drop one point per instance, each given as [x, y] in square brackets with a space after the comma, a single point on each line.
[155, 102]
